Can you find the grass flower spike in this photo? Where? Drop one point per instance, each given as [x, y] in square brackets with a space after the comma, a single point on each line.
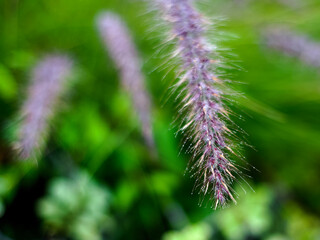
[48, 79]
[206, 113]
[120, 46]
[294, 45]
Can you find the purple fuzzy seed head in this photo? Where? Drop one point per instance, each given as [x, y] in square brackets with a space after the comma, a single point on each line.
[204, 99]
[293, 44]
[118, 42]
[48, 79]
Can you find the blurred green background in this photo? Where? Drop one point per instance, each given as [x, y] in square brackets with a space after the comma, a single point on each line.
[97, 179]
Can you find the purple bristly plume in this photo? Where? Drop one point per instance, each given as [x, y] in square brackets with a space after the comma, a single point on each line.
[48, 79]
[117, 40]
[293, 45]
[206, 113]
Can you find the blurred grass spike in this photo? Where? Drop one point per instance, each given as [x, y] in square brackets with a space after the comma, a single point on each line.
[118, 42]
[293, 44]
[47, 83]
[202, 83]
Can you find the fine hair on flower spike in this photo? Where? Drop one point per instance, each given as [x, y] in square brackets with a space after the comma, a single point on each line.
[204, 91]
[117, 40]
[47, 83]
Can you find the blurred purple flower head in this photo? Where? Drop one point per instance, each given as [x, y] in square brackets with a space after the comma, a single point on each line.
[293, 44]
[206, 113]
[48, 79]
[118, 42]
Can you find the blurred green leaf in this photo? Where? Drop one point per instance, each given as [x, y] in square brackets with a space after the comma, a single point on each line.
[201, 231]
[8, 86]
[250, 216]
[78, 201]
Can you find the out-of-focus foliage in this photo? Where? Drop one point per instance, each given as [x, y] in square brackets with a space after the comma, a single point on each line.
[200, 232]
[74, 203]
[96, 130]
[250, 217]
[8, 87]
